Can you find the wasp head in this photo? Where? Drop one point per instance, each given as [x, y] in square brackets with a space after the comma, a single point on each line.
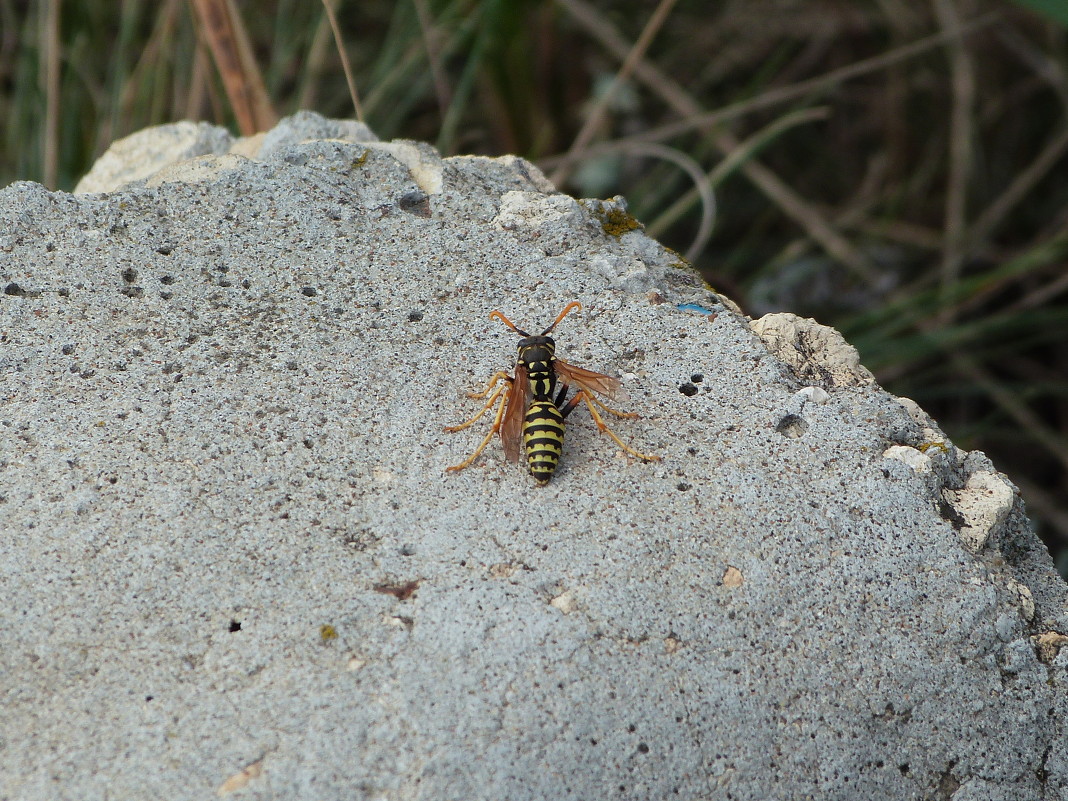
[532, 350]
[538, 349]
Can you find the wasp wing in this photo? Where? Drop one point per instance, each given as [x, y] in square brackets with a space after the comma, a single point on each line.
[589, 380]
[515, 413]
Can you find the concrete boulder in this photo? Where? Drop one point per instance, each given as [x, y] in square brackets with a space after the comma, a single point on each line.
[232, 560]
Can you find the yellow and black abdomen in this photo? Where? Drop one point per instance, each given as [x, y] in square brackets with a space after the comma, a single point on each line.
[543, 439]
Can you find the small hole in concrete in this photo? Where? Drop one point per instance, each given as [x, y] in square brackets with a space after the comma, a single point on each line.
[416, 203]
[791, 426]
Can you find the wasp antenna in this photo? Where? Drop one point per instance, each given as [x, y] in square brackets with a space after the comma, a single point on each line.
[567, 309]
[496, 315]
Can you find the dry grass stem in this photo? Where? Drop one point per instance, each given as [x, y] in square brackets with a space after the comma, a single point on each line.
[1022, 185]
[316, 65]
[221, 27]
[328, 5]
[431, 42]
[791, 203]
[702, 189]
[634, 55]
[1039, 433]
[198, 83]
[1037, 298]
[725, 168]
[695, 118]
[49, 70]
[960, 148]
[146, 67]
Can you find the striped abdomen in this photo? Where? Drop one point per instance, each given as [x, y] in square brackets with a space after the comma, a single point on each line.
[543, 438]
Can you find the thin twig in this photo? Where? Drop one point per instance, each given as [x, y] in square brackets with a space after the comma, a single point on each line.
[1050, 507]
[433, 57]
[1041, 434]
[148, 61]
[1039, 297]
[315, 64]
[960, 149]
[1020, 188]
[222, 28]
[791, 204]
[695, 118]
[702, 188]
[49, 66]
[329, 6]
[726, 167]
[632, 58]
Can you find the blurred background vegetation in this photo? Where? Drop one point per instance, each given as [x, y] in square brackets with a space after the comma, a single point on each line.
[895, 168]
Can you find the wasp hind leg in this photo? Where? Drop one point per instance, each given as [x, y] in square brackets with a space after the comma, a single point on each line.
[493, 430]
[582, 396]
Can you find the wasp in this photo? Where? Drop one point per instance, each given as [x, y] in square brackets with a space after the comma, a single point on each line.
[531, 404]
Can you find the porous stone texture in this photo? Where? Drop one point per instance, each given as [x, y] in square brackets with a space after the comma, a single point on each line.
[815, 353]
[232, 560]
[144, 153]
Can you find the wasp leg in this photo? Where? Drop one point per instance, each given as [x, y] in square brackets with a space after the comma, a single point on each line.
[592, 403]
[560, 399]
[496, 427]
[589, 396]
[500, 375]
[484, 409]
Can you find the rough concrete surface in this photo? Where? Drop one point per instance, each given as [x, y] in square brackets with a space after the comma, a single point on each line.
[232, 561]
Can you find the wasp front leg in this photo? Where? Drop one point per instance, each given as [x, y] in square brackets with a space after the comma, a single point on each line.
[503, 398]
[499, 376]
[495, 380]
